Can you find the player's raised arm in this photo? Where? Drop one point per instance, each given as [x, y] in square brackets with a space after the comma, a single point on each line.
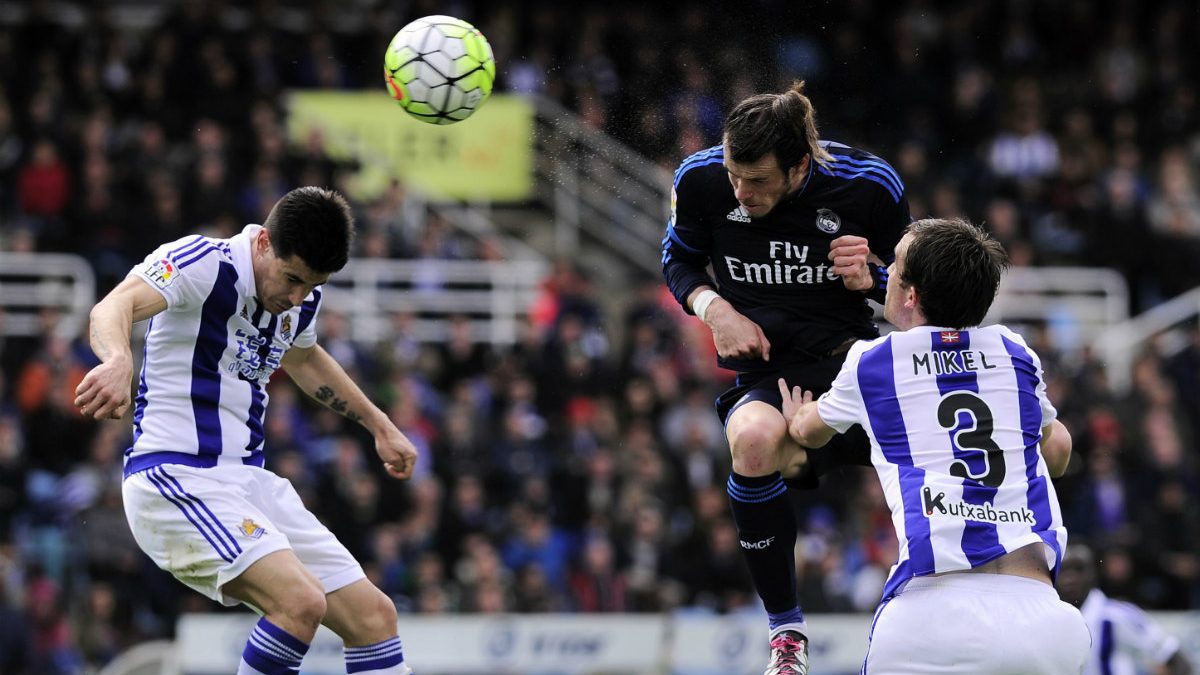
[321, 377]
[104, 391]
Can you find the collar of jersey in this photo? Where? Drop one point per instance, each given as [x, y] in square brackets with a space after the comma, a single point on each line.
[807, 177]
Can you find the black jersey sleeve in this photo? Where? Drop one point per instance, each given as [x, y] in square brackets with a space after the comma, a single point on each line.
[889, 217]
[687, 245]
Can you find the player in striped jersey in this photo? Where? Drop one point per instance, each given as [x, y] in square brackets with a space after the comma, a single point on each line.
[789, 247]
[1125, 641]
[224, 315]
[956, 414]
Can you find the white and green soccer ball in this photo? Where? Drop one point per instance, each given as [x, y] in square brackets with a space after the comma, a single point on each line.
[439, 69]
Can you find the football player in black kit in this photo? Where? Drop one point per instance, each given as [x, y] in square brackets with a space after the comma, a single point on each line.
[790, 246]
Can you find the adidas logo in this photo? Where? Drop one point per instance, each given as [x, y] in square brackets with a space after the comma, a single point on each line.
[739, 214]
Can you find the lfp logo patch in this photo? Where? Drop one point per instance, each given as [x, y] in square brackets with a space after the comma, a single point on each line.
[252, 529]
[162, 273]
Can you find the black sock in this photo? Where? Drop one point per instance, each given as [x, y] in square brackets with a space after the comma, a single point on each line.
[767, 531]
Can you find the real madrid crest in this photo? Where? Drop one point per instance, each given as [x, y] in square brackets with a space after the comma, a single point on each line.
[287, 327]
[828, 221]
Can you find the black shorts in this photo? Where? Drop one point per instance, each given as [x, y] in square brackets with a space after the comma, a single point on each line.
[815, 376]
[850, 448]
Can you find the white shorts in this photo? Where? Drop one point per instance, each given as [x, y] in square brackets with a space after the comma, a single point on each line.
[207, 525]
[982, 624]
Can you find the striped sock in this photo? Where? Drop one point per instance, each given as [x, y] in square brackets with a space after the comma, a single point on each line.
[381, 658]
[271, 651]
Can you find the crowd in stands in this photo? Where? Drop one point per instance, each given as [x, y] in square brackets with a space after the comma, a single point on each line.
[570, 471]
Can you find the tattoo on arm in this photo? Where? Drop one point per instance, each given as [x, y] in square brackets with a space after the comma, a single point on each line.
[328, 396]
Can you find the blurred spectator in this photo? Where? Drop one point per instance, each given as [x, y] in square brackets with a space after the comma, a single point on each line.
[596, 584]
[44, 183]
[54, 651]
[15, 644]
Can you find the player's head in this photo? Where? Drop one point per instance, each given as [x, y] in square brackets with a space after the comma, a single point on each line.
[946, 274]
[313, 224]
[1076, 574]
[305, 238]
[770, 141]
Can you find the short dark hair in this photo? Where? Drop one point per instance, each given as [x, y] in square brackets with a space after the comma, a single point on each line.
[314, 224]
[955, 268]
[785, 124]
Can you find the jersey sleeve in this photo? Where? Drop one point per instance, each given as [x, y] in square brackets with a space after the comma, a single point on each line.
[889, 217]
[182, 271]
[686, 245]
[1049, 412]
[307, 335]
[842, 406]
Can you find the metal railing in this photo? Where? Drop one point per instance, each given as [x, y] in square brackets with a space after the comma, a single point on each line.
[1079, 303]
[598, 186]
[31, 283]
[418, 297]
[377, 297]
[1121, 343]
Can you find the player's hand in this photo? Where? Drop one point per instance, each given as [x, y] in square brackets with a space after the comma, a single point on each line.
[104, 391]
[734, 335]
[794, 400]
[398, 453]
[849, 253]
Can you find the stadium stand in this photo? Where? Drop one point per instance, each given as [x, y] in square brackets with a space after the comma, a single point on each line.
[565, 469]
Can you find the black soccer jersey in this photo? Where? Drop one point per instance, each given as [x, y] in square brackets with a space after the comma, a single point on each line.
[775, 270]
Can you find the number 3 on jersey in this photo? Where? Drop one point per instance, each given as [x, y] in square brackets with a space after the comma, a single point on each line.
[978, 439]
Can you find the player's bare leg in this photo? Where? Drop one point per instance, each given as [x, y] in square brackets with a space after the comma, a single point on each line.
[365, 618]
[360, 614]
[756, 432]
[292, 602]
[284, 591]
[761, 448]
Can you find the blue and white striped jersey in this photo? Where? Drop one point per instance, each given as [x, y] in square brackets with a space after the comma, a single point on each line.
[1125, 641]
[954, 418]
[202, 392]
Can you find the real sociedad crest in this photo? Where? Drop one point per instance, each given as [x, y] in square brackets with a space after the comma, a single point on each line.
[252, 529]
[828, 221]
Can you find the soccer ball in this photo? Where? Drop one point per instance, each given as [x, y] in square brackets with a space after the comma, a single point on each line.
[439, 69]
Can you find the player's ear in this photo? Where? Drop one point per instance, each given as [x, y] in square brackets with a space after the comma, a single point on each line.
[798, 172]
[262, 240]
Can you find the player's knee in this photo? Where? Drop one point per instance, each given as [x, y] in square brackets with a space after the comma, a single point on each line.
[382, 617]
[306, 605]
[755, 450]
